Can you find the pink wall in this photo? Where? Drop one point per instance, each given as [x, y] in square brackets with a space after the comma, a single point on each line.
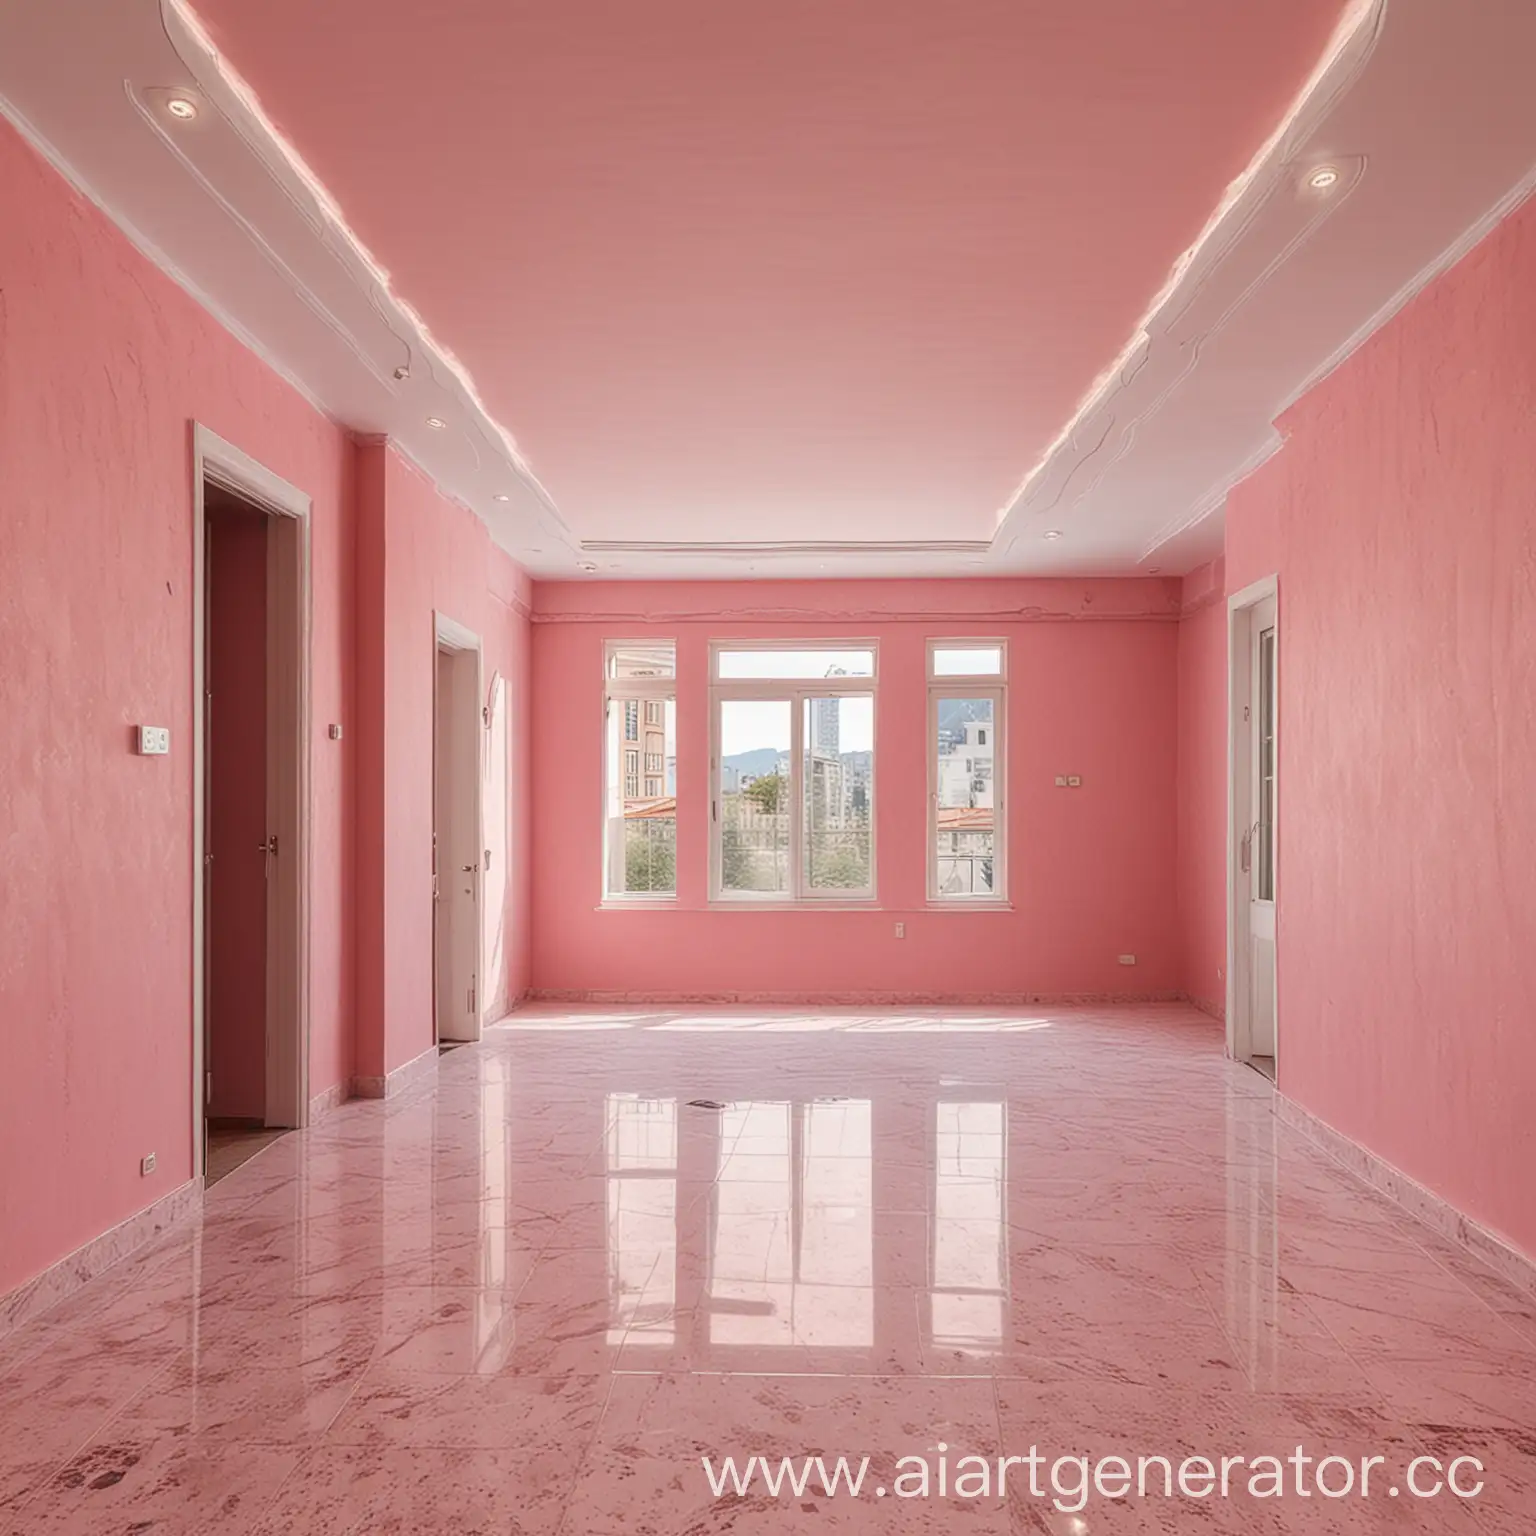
[237, 812]
[1202, 789]
[1092, 691]
[419, 555]
[104, 364]
[1399, 519]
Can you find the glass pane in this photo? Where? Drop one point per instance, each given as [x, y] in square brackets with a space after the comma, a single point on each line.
[1266, 849]
[640, 822]
[795, 664]
[834, 1298]
[968, 661]
[839, 792]
[965, 832]
[969, 1232]
[791, 1262]
[629, 658]
[642, 1219]
[754, 795]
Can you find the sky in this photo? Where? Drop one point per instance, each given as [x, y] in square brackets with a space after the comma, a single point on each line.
[746, 724]
[749, 724]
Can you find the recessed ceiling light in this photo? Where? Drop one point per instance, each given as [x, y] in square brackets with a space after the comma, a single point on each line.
[1051, 533]
[587, 565]
[501, 496]
[1324, 177]
[436, 423]
[181, 106]
[1153, 570]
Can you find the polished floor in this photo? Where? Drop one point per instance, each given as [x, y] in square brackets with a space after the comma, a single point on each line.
[529, 1296]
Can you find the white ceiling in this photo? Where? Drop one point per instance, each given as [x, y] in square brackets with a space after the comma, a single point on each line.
[1426, 110]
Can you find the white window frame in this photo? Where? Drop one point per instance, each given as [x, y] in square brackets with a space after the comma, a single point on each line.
[617, 692]
[796, 691]
[988, 685]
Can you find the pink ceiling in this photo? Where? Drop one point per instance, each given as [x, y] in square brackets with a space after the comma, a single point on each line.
[803, 270]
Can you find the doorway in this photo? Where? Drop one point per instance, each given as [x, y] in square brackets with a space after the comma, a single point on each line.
[250, 825]
[1253, 673]
[458, 836]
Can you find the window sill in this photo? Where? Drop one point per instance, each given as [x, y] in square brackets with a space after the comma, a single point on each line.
[671, 904]
[794, 906]
[976, 905]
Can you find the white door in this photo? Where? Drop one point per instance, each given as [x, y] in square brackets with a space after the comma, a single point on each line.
[458, 847]
[1258, 852]
[498, 849]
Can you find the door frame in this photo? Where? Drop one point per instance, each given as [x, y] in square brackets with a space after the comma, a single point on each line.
[288, 642]
[1240, 610]
[450, 635]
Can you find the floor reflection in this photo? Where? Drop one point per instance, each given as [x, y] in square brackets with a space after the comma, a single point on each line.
[970, 1200]
[580, 1254]
[790, 1254]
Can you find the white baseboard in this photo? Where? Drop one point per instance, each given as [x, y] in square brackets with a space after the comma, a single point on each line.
[1424, 1205]
[45, 1290]
[392, 1084]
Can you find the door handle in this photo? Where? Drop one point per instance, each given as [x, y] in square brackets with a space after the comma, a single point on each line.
[270, 846]
[1245, 851]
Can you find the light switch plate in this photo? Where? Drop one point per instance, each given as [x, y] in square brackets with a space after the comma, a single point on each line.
[154, 740]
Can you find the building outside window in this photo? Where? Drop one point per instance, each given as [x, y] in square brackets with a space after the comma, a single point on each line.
[792, 771]
[967, 830]
[640, 809]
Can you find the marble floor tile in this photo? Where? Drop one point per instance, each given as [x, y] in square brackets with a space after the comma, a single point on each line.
[531, 1293]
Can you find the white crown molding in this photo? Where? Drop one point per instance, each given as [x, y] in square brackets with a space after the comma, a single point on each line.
[157, 257]
[1266, 314]
[1273, 296]
[1349, 52]
[1214, 501]
[786, 548]
[1463, 245]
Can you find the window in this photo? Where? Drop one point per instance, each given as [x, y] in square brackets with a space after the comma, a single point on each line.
[962, 659]
[640, 809]
[967, 829]
[792, 806]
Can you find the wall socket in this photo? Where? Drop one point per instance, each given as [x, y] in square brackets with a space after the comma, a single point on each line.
[901, 930]
[146, 1165]
[154, 740]
[1127, 959]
